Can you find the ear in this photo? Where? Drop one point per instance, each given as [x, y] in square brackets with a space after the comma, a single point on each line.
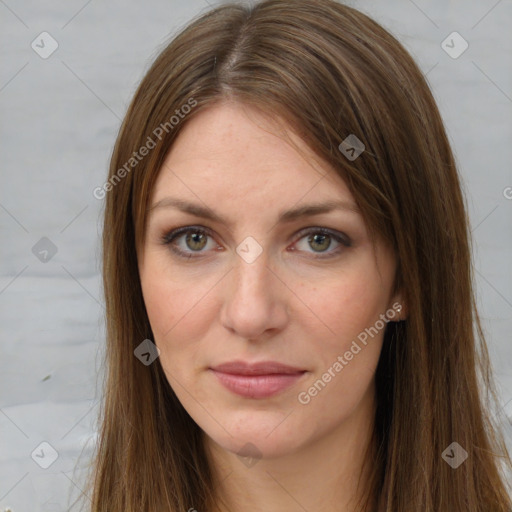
[397, 308]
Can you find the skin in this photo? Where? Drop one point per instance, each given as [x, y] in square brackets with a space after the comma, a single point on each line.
[285, 306]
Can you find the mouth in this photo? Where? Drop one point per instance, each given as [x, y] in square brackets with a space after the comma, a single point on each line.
[257, 380]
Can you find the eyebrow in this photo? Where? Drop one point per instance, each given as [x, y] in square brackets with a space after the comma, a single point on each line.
[286, 216]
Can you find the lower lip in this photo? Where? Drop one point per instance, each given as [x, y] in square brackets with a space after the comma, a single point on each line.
[257, 386]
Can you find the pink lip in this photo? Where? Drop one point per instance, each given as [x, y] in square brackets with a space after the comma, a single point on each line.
[258, 380]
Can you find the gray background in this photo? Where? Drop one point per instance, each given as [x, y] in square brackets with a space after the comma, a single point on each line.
[60, 116]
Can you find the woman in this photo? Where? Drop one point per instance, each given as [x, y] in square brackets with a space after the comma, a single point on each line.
[288, 284]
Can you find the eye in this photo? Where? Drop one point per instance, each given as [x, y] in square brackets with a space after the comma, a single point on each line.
[320, 240]
[188, 240]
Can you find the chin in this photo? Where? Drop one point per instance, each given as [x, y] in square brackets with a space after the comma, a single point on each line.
[256, 434]
[256, 447]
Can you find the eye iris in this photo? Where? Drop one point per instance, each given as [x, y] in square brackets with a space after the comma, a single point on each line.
[195, 238]
[321, 239]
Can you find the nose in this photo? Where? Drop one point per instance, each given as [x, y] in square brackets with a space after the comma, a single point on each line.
[255, 299]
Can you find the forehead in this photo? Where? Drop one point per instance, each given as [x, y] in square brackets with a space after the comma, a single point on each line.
[231, 154]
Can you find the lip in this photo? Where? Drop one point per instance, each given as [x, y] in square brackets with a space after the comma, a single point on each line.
[257, 380]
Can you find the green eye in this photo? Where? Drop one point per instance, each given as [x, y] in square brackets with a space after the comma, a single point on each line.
[321, 239]
[187, 240]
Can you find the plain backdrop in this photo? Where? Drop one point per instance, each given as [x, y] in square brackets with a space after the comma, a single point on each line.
[59, 118]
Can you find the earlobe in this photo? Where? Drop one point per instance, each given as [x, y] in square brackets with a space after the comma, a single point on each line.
[398, 310]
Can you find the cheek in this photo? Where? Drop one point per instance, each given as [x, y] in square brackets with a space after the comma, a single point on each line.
[171, 297]
[163, 312]
[178, 320]
[346, 361]
[349, 305]
[179, 313]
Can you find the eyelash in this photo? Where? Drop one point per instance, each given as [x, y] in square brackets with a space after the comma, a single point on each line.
[170, 237]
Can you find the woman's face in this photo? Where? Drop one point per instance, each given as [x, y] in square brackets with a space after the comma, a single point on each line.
[257, 276]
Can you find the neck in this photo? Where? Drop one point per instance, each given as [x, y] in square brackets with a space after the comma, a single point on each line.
[328, 474]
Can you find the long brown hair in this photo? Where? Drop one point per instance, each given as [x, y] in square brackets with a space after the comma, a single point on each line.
[328, 71]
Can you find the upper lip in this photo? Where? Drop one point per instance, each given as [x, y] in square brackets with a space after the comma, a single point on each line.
[261, 368]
